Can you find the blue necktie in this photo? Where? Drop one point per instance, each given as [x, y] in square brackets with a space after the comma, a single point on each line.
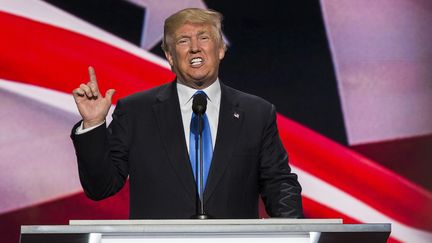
[194, 144]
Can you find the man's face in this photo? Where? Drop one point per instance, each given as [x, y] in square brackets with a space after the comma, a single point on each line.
[194, 55]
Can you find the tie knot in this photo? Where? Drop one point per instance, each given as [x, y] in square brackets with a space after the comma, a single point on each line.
[200, 92]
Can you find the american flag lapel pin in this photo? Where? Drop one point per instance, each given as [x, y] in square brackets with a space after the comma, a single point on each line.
[236, 115]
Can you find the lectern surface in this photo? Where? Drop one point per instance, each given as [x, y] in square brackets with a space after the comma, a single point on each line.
[207, 231]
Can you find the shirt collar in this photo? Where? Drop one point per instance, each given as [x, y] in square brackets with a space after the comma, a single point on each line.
[186, 93]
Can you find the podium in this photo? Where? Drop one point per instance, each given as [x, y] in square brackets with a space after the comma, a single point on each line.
[206, 231]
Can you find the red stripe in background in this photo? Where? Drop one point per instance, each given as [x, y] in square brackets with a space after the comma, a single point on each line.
[55, 58]
[58, 59]
[410, 157]
[364, 179]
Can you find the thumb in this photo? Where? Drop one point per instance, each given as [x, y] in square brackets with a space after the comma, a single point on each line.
[109, 94]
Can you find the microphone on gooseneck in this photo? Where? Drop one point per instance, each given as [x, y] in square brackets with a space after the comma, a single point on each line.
[199, 106]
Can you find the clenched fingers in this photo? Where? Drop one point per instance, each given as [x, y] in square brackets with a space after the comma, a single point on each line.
[86, 90]
[78, 92]
[91, 89]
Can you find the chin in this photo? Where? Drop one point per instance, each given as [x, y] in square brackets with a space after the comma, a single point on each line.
[199, 83]
[200, 79]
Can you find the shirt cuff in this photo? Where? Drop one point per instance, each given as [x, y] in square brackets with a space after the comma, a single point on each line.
[80, 129]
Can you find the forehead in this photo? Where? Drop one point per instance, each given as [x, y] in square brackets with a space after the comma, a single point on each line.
[192, 29]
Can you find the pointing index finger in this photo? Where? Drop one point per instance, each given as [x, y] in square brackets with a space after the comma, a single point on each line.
[92, 74]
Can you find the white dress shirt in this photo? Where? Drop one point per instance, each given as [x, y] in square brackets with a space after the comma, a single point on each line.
[185, 94]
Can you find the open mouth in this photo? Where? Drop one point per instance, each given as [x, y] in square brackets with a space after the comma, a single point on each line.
[196, 62]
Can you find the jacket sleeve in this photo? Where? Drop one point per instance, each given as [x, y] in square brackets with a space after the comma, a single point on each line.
[279, 187]
[102, 156]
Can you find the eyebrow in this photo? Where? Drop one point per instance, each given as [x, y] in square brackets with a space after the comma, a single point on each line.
[182, 36]
[201, 32]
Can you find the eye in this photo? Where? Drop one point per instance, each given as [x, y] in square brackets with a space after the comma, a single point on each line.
[204, 37]
[182, 41]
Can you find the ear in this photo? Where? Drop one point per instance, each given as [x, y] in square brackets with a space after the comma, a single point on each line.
[169, 57]
[221, 52]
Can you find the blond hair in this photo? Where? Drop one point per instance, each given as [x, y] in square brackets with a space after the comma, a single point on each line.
[192, 16]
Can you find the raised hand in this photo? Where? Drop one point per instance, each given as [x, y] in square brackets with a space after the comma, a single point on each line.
[92, 106]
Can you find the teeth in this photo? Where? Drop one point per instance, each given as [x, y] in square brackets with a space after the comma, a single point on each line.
[196, 61]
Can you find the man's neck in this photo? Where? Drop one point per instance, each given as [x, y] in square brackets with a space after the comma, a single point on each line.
[197, 84]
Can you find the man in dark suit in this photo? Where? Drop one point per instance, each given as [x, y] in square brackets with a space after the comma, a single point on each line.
[151, 139]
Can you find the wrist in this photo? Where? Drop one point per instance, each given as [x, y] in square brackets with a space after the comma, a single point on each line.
[87, 124]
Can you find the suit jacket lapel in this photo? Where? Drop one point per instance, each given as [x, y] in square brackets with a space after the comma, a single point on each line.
[168, 115]
[230, 120]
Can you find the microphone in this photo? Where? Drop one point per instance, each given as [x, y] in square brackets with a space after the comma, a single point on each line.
[199, 107]
[199, 104]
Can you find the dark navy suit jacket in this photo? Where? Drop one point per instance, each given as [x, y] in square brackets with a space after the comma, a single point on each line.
[146, 142]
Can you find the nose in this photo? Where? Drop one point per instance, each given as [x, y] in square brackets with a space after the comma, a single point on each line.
[194, 46]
